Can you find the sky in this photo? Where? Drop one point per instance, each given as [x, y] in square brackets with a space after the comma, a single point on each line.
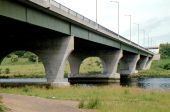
[153, 17]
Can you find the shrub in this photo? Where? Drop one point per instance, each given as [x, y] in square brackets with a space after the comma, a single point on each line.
[7, 71]
[1, 71]
[26, 89]
[33, 58]
[14, 58]
[93, 103]
[166, 66]
[81, 104]
[165, 50]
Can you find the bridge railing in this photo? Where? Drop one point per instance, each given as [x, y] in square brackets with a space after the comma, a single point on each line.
[94, 24]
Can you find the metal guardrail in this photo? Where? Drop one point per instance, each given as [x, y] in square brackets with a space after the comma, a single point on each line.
[92, 23]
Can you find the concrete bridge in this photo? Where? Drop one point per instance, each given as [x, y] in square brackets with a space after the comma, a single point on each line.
[57, 34]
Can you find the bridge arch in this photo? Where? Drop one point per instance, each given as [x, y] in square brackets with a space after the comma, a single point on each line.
[21, 63]
[92, 65]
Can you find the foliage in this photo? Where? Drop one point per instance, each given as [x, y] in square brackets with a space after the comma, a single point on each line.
[19, 53]
[165, 51]
[158, 69]
[33, 58]
[7, 71]
[166, 66]
[2, 107]
[91, 65]
[14, 58]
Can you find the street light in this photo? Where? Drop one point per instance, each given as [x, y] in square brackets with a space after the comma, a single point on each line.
[130, 25]
[138, 32]
[96, 11]
[117, 16]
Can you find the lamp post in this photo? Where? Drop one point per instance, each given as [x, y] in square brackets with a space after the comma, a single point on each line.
[117, 16]
[130, 24]
[96, 11]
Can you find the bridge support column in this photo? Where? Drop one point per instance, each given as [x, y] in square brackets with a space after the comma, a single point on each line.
[54, 57]
[111, 60]
[142, 63]
[75, 60]
[148, 64]
[128, 64]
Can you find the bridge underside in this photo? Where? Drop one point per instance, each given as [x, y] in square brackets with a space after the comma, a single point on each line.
[55, 48]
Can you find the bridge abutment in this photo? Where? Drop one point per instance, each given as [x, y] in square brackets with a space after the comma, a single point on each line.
[128, 64]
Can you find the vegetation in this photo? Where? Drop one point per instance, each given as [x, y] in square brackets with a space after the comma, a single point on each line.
[28, 67]
[103, 98]
[91, 65]
[165, 51]
[2, 107]
[159, 68]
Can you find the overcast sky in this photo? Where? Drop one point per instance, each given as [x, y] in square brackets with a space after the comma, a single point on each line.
[153, 16]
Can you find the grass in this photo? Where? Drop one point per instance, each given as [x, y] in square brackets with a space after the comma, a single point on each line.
[157, 69]
[2, 107]
[103, 98]
[25, 69]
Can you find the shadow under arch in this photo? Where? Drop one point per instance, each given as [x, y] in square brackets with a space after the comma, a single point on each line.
[21, 64]
[92, 65]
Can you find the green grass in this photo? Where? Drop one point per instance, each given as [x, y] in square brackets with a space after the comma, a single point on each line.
[103, 98]
[157, 69]
[25, 69]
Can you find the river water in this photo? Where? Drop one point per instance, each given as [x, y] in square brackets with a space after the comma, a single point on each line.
[146, 83]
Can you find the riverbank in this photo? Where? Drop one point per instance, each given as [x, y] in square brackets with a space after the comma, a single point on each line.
[158, 69]
[102, 98]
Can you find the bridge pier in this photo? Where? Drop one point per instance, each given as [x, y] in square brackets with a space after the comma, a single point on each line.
[54, 57]
[144, 63]
[148, 64]
[128, 64]
[109, 60]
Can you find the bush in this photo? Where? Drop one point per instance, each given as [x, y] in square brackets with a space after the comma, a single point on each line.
[165, 51]
[33, 58]
[81, 104]
[14, 58]
[19, 53]
[93, 103]
[166, 66]
[7, 71]
[1, 71]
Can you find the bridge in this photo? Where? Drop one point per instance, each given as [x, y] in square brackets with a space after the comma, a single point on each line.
[57, 34]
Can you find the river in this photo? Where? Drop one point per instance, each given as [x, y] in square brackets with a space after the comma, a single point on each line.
[146, 83]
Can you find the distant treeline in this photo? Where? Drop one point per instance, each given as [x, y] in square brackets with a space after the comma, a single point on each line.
[165, 51]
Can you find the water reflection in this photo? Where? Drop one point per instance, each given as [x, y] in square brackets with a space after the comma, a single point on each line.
[146, 83]
[154, 83]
